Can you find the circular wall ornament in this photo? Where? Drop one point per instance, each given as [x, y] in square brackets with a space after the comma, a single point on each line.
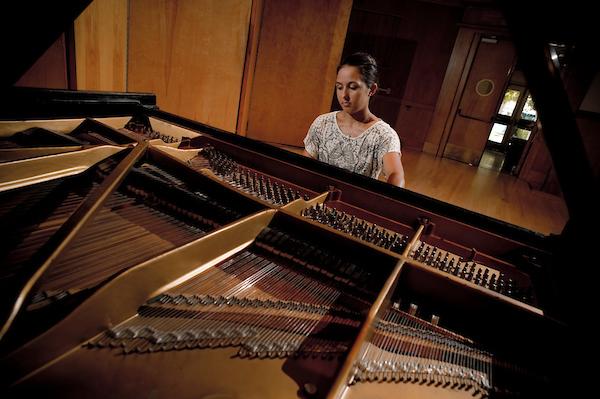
[484, 87]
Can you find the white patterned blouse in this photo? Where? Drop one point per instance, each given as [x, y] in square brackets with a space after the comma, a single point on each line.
[362, 154]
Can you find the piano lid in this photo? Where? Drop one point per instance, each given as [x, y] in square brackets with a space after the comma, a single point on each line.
[574, 29]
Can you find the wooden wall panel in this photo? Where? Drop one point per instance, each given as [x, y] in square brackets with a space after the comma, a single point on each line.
[101, 46]
[50, 70]
[191, 55]
[589, 128]
[382, 35]
[432, 28]
[300, 46]
[538, 169]
[435, 27]
[447, 102]
[249, 66]
[412, 124]
[582, 83]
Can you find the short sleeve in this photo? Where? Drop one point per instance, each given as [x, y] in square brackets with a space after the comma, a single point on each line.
[390, 142]
[312, 141]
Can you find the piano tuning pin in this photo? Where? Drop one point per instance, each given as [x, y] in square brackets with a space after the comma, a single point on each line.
[412, 310]
[435, 319]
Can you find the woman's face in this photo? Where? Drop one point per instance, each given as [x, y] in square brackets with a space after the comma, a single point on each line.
[352, 91]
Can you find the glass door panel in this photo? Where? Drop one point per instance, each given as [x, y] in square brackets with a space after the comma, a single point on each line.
[512, 127]
[522, 134]
[529, 113]
[509, 103]
[497, 133]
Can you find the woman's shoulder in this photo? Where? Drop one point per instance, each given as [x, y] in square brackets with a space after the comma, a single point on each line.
[329, 116]
[387, 136]
[324, 122]
[323, 125]
[384, 128]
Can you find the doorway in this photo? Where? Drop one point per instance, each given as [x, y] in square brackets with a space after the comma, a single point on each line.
[512, 128]
[394, 56]
[486, 77]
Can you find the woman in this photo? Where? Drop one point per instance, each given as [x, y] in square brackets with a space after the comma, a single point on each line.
[354, 138]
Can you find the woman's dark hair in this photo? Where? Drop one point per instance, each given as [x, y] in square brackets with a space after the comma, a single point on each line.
[366, 65]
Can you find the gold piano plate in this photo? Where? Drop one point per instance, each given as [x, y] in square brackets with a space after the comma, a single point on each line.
[29, 171]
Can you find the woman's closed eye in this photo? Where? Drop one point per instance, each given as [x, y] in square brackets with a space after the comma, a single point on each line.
[350, 87]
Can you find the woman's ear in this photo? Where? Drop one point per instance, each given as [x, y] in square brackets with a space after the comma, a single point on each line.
[373, 89]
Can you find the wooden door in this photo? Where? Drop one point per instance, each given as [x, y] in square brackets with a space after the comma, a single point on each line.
[487, 78]
[394, 56]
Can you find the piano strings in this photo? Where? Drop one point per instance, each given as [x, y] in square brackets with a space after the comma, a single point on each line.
[135, 224]
[254, 301]
[404, 348]
[267, 308]
[37, 212]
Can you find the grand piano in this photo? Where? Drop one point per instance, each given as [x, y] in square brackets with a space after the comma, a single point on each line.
[151, 255]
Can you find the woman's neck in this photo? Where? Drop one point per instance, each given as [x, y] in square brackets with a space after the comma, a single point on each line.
[362, 116]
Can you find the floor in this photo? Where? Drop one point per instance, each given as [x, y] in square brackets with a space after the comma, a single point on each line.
[492, 160]
[485, 191]
[482, 190]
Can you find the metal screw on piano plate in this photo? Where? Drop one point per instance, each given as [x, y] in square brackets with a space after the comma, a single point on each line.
[310, 388]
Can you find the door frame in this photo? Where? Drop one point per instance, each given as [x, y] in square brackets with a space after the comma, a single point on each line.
[455, 80]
